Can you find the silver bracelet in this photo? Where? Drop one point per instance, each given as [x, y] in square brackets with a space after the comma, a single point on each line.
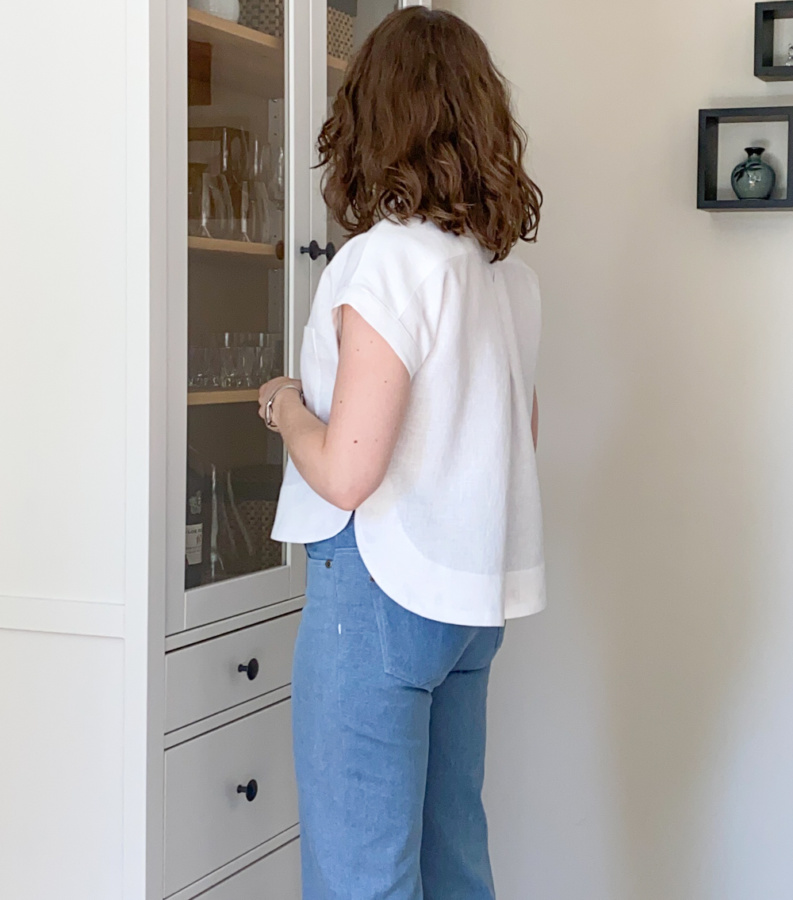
[268, 408]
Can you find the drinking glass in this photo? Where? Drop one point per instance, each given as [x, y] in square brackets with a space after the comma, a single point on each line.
[195, 187]
[278, 176]
[234, 164]
[216, 208]
[197, 375]
[246, 360]
[213, 367]
[265, 355]
[247, 213]
[262, 220]
[228, 367]
[233, 153]
[258, 169]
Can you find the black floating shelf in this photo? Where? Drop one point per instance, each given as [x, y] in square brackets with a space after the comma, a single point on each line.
[765, 16]
[707, 187]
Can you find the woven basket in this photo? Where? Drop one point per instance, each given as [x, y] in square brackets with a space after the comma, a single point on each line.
[258, 516]
[268, 16]
[340, 29]
[263, 15]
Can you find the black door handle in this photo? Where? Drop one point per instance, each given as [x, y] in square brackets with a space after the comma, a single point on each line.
[251, 789]
[315, 251]
[252, 668]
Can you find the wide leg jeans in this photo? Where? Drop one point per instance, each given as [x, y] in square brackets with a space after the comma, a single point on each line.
[389, 741]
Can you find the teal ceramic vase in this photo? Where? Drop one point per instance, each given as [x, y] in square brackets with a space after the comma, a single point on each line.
[753, 179]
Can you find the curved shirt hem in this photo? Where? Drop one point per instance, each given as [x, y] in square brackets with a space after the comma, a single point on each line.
[429, 590]
[440, 593]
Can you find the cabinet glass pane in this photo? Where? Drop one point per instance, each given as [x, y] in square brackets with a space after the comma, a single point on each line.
[236, 294]
[349, 22]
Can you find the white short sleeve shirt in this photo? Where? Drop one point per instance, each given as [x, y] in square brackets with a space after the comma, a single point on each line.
[454, 532]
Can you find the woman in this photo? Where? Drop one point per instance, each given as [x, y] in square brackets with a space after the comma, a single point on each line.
[420, 416]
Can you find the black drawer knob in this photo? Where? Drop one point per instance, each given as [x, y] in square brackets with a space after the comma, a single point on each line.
[315, 251]
[252, 668]
[251, 789]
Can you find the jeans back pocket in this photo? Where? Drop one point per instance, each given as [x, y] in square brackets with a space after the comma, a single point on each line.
[418, 651]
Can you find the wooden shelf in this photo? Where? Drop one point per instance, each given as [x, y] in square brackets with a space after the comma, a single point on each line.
[270, 252]
[247, 60]
[206, 27]
[710, 120]
[766, 17]
[244, 60]
[214, 398]
[732, 205]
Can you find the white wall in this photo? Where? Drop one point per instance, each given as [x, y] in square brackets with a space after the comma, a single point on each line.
[60, 756]
[62, 301]
[642, 726]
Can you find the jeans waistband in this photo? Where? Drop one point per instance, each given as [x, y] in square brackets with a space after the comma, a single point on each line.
[325, 549]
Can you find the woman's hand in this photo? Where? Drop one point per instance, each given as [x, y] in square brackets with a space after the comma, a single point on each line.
[267, 390]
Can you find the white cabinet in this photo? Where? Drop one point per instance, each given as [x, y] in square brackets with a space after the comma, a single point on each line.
[246, 101]
[175, 284]
[226, 793]
[275, 877]
[215, 675]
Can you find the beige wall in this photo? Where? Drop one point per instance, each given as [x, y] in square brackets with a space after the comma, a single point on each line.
[642, 726]
[63, 303]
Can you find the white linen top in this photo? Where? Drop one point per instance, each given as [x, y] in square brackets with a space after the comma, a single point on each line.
[454, 532]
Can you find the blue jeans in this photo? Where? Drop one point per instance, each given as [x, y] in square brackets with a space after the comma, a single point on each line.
[389, 741]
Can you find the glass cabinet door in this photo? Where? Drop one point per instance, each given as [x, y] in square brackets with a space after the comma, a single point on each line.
[238, 314]
[346, 26]
[248, 94]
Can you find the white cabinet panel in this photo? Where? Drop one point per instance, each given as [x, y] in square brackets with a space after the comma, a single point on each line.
[61, 727]
[63, 321]
[205, 678]
[208, 822]
[276, 877]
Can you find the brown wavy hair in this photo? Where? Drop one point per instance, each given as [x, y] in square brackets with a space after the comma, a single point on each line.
[422, 125]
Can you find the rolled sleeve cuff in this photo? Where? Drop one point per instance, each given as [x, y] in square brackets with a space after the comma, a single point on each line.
[385, 323]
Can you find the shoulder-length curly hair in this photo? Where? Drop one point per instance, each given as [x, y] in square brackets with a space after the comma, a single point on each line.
[422, 125]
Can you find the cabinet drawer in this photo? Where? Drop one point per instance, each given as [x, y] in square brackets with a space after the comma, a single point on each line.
[204, 679]
[276, 877]
[208, 822]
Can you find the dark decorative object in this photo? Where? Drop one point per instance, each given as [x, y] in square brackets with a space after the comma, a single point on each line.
[753, 179]
[251, 789]
[251, 668]
[709, 122]
[766, 15]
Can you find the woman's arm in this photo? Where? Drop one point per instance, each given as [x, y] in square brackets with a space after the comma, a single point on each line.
[535, 419]
[346, 460]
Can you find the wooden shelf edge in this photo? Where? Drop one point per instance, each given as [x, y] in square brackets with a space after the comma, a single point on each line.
[217, 397]
[746, 205]
[233, 29]
[225, 27]
[218, 245]
[735, 209]
[775, 73]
